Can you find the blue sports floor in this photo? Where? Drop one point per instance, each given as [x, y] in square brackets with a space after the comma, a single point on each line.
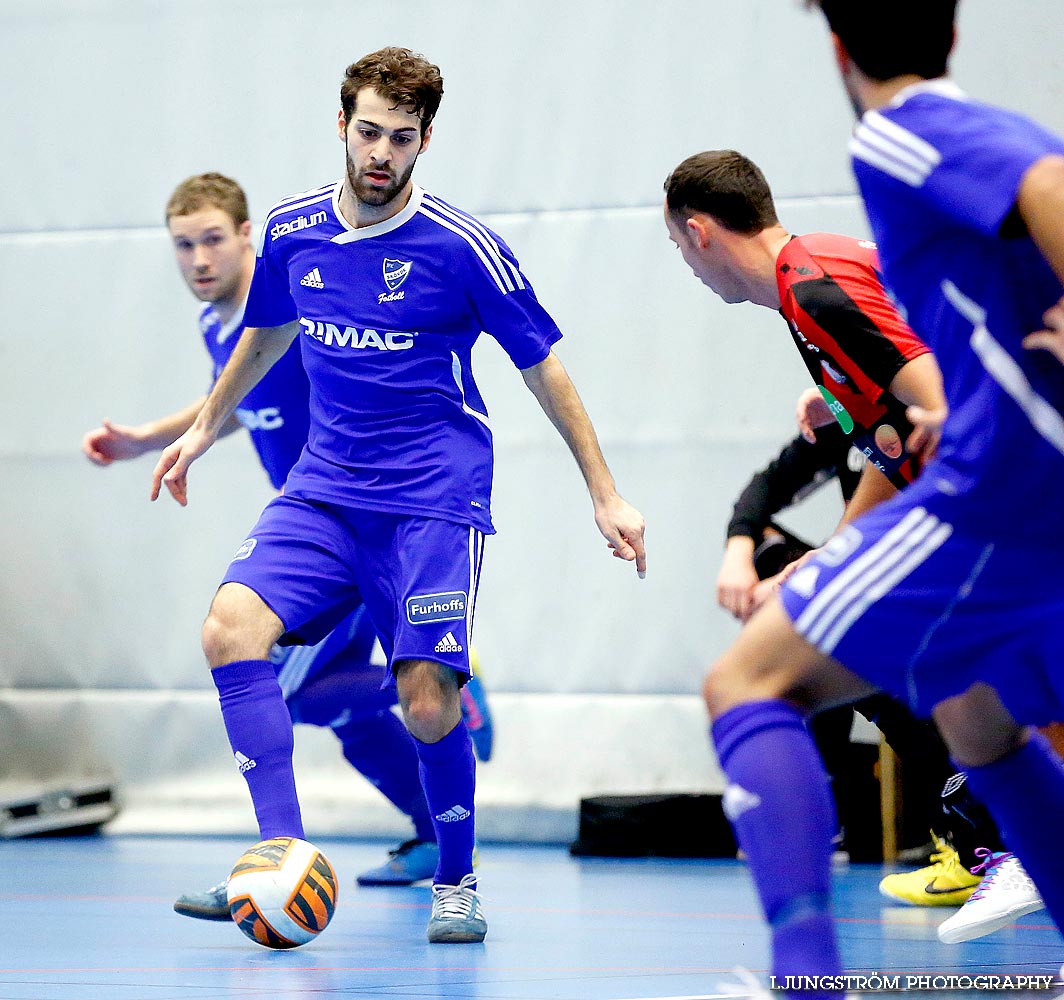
[87, 918]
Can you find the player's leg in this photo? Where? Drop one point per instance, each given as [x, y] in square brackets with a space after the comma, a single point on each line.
[345, 695]
[293, 572]
[1015, 772]
[753, 694]
[957, 821]
[237, 637]
[476, 711]
[419, 577]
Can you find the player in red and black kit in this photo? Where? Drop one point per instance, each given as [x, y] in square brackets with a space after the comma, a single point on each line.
[868, 365]
[853, 342]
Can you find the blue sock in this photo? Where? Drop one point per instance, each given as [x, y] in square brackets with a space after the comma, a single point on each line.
[260, 733]
[779, 803]
[1024, 792]
[381, 749]
[448, 775]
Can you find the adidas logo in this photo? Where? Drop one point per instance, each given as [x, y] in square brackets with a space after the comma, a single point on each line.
[737, 800]
[312, 279]
[454, 815]
[243, 762]
[448, 644]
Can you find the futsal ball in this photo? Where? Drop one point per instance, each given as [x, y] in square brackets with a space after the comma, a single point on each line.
[282, 892]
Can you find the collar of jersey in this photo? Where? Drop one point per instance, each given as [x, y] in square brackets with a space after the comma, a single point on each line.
[351, 234]
[940, 86]
[236, 321]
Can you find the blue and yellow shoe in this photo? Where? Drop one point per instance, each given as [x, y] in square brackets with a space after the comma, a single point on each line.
[476, 713]
[944, 882]
[412, 861]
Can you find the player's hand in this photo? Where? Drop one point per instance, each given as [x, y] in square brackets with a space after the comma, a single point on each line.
[111, 443]
[927, 431]
[623, 526]
[1052, 337]
[736, 580]
[762, 593]
[770, 586]
[172, 468]
[811, 412]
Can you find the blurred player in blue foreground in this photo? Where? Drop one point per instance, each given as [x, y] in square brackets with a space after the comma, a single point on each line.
[949, 594]
[387, 288]
[333, 684]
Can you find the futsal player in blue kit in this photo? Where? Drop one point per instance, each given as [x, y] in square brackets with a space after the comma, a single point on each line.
[336, 683]
[950, 594]
[387, 288]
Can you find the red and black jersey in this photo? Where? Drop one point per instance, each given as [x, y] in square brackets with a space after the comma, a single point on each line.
[853, 341]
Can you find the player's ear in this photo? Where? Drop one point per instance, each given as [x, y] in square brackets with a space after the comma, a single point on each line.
[842, 57]
[700, 229]
[245, 229]
[341, 126]
[425, 139]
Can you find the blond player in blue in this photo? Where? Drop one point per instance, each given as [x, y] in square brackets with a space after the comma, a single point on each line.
[387, 288]
[950, 594]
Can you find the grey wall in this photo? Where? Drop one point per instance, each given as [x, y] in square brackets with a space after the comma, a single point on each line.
[559, 124]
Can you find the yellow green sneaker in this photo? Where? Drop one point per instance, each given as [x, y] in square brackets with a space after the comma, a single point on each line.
[944, 882]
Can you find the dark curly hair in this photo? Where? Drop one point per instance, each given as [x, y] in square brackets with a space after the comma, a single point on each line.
[400, 75]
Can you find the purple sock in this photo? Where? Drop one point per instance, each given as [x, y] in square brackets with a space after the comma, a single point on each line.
[1024, 792]
[448, 775]
[260, 733]
[779, 803]
[380, 748]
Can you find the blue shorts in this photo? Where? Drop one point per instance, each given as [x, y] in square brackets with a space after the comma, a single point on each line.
[312, 563]
[913, 599]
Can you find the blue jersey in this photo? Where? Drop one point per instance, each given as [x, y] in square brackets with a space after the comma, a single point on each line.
[275, 412]
[939, 174]
[388, 317]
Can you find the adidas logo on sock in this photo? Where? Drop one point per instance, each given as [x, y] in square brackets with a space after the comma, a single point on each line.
[312, 279]
[448, 644]
[242, 762]
[454, 815]
[738, 800]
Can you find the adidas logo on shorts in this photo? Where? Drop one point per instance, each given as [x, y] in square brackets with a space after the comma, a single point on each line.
[454, 815]
[448, 644]
[243, 762]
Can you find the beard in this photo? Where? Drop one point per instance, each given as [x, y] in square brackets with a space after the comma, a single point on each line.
[370, 194]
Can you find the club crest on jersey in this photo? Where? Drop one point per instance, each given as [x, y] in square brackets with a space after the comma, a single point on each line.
[395, 272]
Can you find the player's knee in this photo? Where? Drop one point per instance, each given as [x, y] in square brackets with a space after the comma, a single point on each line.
[230, 633]
[428, 695]
[977, 727]
[722, 687]
[217, 639]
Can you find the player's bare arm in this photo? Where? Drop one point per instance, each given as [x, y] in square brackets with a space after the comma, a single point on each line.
[256, 353]
[918, 385]
[1040, 202]
[112, 442]
[872, 489]
[620, 523]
